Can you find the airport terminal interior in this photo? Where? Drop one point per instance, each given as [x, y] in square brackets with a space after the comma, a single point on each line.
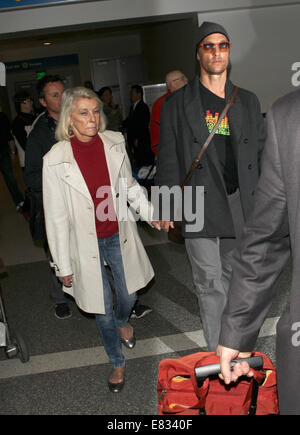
[68, 367]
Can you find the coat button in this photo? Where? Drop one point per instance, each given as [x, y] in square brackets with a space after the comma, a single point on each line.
[246, 140]
[117, 195]
[249, 166]
[125, 241]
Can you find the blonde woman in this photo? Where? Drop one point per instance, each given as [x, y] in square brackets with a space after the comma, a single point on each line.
[87, 180]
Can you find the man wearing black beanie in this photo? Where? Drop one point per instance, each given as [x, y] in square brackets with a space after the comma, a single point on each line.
[228, 170]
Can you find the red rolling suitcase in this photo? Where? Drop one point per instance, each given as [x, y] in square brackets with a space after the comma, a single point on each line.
[190, 385]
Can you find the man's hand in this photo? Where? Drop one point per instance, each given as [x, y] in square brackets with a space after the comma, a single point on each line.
[66, 280]
[156, 225]
[166, 225]
[240, 369]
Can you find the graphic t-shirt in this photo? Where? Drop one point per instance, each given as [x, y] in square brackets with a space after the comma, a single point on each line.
[213, 107]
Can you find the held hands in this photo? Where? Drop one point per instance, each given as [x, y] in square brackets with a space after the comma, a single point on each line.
[66, 280]
[240, 369]
[165, 225]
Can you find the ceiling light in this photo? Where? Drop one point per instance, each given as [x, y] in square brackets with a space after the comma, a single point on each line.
[47, 43]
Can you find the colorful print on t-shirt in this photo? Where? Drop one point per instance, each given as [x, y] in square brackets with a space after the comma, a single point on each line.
[211, 121]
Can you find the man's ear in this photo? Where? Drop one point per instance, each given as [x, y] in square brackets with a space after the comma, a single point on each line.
[42, 102]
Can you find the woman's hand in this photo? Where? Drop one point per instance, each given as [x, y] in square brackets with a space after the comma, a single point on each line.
[66, 280]
[156, 224]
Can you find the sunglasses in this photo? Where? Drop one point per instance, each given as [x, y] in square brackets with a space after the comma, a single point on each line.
[210, 47]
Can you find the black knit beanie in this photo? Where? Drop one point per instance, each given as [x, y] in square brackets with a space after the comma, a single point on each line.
[208, 28]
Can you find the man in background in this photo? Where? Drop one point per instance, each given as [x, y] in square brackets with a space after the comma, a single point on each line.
[40, 140]
[174, 80]
[7, 153]
[137, 129]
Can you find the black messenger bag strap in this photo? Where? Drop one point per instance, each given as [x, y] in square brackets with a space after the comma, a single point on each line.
[230, 102]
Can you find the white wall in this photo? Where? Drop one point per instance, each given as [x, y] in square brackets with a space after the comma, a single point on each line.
[112, 10]
[265, 45]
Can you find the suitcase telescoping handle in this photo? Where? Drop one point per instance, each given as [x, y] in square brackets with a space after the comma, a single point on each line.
[201, 373]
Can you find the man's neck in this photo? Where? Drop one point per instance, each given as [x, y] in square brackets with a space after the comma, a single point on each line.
[53, 115]
[215, 83]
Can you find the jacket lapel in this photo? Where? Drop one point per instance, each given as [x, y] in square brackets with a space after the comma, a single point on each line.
[195, 114]
[235, 119]
[196, 119]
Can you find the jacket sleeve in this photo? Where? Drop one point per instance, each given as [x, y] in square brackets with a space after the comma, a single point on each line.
[261, 132]
[57, 220]
[34, 162]
[261, 256]
[167, 172]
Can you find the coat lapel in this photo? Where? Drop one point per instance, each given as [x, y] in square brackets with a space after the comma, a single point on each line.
[71, 173]
[114, 158]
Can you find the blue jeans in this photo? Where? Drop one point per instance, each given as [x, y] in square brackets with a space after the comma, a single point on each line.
[114, 317]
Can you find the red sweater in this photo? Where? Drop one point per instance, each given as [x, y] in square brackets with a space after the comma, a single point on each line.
[90, 157]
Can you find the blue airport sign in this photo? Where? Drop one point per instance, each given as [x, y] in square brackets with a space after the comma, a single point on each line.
[18, 4]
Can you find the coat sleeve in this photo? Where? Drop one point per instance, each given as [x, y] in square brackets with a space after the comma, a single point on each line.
[167, 161]
[261, 256]
[57, 220]
[34, 161]
[261, 132]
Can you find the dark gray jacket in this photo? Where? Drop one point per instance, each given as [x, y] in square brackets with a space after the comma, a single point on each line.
[183, 131]
[271, 235]
[39, 142]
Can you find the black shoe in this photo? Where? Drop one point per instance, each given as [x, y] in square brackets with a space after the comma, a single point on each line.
[62, 311]
[130, 342]
[140, 310]
[116, 388]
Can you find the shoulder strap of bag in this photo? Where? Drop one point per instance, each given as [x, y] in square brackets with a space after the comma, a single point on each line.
[230, 102]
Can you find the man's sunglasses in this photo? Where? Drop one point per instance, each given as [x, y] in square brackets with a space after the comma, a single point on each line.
[210, 47]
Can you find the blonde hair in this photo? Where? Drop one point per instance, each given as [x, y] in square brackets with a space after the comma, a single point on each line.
[63, 130]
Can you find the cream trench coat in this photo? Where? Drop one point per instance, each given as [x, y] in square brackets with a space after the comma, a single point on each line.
[71, 227]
